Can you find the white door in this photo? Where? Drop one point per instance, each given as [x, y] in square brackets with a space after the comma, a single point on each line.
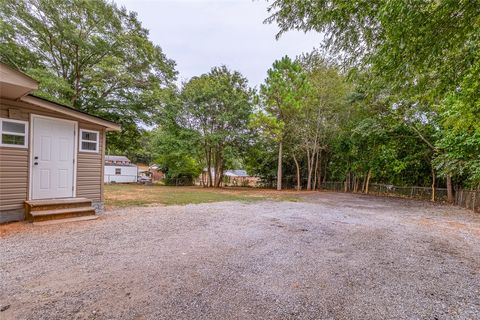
[52, 158]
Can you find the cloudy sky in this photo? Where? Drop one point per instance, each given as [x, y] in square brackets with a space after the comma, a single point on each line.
[200, 34]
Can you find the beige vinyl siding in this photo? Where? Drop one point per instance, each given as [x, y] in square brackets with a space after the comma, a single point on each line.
[13, 178]
[90, 169]
[14, 162]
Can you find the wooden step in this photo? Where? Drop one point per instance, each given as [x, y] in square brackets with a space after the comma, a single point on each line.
[53, 209]
[42, 215]
[50, 204]
[57, 221]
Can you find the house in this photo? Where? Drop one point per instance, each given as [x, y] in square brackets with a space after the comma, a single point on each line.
[51, 156]
[231, 178]
[119, 169]
[239, 178]
[156, 173]
[148, 174]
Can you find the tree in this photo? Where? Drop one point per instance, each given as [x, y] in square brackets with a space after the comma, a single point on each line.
[410, 43]
[282, 96]
[177, 153]
[90, 55]
[421, 58]
[323, 110]
[217, 106]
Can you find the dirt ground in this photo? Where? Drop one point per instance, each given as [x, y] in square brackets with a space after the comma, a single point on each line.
[330, 256]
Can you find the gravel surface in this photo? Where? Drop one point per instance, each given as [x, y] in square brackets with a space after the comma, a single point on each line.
[330, 256]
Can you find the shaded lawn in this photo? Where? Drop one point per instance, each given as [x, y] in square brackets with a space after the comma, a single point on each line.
[127, 195]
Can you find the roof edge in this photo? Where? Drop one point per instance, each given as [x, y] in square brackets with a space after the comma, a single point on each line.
[33, 84]
[54, 106]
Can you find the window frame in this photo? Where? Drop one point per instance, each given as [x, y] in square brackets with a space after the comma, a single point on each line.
[119, 171]
[97, 142]
[25, 134]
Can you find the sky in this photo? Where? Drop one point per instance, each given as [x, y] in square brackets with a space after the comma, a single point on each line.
[201, 34]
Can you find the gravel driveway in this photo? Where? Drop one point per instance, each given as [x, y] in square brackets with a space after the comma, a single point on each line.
[330, 256]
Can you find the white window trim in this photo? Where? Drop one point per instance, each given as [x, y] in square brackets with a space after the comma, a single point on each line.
[25, 145]
[81, 140]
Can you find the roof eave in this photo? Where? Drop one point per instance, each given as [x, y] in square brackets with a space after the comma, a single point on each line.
[109, 126]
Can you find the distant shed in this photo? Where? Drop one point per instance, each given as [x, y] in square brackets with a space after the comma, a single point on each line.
[119, 169]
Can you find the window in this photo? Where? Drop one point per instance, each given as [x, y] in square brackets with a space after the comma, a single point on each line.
[14, 133]
[89, 140]
[118, 171]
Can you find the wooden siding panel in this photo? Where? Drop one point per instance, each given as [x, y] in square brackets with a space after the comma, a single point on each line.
[11, 207]
[13, 178]
[89, 169]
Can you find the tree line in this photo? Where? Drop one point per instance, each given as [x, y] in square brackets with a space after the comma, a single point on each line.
[392, 95]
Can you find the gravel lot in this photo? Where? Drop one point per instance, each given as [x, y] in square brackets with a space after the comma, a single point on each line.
[331, 256]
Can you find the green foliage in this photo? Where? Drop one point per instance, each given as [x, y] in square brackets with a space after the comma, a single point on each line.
[416, 61]
[205, 125]
[177, 153]
[217, 105]
[90, 55]
[282, 96]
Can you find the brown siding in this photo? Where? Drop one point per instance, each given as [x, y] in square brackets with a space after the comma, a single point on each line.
[89, 170]
[14, 163]
[13, 178]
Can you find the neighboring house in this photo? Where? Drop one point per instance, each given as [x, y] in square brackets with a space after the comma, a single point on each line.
[119, 169]
[156, 173]
[51, 156]
[239, 178]
[234, 178]
[151, 173]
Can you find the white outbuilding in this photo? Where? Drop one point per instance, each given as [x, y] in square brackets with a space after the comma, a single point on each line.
[119, 169]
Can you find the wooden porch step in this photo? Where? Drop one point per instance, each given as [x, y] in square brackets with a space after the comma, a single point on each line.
[64, 213]
[57, 221]
[58, 209]
[49, 204]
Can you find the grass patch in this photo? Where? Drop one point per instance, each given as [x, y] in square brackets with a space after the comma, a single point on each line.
[131, 195]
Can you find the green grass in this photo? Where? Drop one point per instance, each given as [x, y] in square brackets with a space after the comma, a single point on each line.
[131, 195]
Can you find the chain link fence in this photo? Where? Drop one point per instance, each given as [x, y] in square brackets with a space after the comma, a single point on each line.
[469, 199]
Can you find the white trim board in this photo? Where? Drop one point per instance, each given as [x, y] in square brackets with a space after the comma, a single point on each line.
[75, 153]
[81, 140]
[110, 126]
[26, 134]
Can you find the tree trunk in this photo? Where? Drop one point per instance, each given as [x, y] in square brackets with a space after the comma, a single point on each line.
[363, 183]
[209, 167]
[433, 185]
[316, 172]
[298, 173]
[367, 183]
[310, 160]
[348, 182]
[449, 189]
[325, 169]
[218, 167]
[356, 182]
[279, 168]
